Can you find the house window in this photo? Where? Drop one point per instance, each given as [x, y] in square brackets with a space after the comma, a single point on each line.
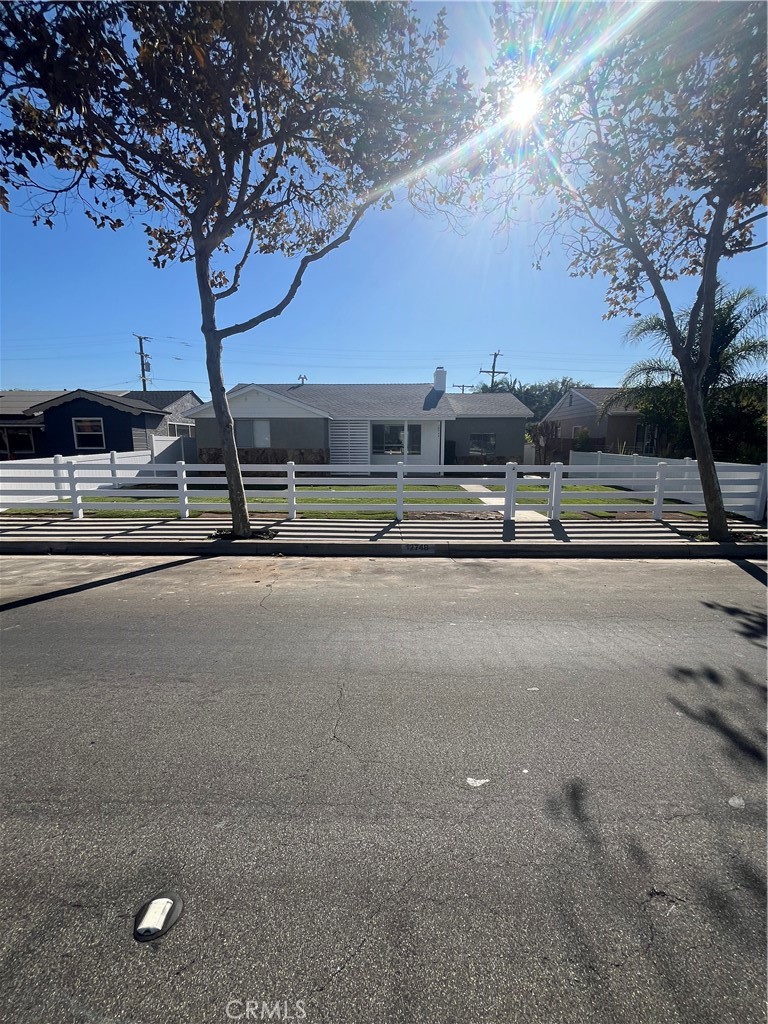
[576, 431]
[181, 430]
[387, 438]
[16, 441]
[482, 444]
[252, 433]
[89, 432]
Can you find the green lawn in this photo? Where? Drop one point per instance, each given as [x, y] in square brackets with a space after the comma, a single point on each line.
[445, 494]
[540, 492]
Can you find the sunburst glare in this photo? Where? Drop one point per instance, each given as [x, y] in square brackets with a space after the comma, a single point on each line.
[524, 106]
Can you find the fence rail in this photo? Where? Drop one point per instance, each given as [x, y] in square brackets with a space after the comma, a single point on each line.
[290, 489]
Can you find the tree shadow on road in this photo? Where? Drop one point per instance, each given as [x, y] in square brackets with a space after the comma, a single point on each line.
[731, 705]
[638, 901]
[750, 624]
[80, 588]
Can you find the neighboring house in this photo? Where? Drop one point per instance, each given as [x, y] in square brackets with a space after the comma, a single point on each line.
[355, 424]
[619, 430]
[21, 436]
[40, 424]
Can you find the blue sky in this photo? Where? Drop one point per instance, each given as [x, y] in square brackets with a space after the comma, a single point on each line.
[405, 294]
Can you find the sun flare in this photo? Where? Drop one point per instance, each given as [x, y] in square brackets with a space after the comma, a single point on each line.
[524, 106]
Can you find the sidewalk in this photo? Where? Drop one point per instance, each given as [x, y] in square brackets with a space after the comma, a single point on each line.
[323, 537]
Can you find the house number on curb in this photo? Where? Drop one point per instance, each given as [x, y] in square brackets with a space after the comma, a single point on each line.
[157, 916]
[418, 549]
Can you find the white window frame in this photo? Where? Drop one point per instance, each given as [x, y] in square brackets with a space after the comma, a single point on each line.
[398, 424]
[90, 447]
[188, 427]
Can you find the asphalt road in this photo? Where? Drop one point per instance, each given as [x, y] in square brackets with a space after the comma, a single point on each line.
[288, 743]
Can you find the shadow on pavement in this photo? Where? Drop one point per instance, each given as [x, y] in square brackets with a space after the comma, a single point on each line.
[731, 705]
[755, 571]
[659, 904]
[751, 625]
[22, 602]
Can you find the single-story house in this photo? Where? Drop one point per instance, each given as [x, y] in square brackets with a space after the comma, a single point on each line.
[356, 424]
[621, 429]
[40, 424]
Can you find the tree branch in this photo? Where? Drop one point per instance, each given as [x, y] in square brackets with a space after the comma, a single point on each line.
[269, 314]
[238, 270]
[746, 223]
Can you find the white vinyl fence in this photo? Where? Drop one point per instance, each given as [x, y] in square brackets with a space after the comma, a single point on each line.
[682, 476]
[35, 474]
[288, 489]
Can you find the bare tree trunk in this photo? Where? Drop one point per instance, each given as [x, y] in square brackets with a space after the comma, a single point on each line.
[241, 526]
[710, 485]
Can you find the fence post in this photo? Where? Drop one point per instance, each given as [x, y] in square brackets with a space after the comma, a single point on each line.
[510, 490]
[689, 464]
[58, 474]
[291, 478]
[77, 501]
[113, 465]
[400, 509]
[658, 494]
[181, 474]
[758, 511]
[555, 490]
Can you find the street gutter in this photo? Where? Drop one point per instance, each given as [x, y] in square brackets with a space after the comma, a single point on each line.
[388, 549]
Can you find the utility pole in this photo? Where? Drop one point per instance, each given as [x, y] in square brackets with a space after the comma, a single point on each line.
[145, 367]
[462, 386]
[493, 373]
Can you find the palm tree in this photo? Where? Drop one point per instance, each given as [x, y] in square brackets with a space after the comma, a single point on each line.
[738, 343]
[737, 358]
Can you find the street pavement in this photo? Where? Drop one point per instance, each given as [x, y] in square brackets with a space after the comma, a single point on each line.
[429, 790]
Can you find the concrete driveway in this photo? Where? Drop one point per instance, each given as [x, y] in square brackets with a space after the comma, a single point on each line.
[431, 791]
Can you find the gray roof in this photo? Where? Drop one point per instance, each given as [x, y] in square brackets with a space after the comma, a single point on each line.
[490, 403]
[396, 401]
[113, 398]
[159, 399]
[16, 403]
[600, 395]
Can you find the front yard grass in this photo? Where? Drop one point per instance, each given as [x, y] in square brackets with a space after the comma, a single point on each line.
[445, 494]
[540, 491]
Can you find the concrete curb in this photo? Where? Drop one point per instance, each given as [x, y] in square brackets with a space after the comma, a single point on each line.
[388, 549]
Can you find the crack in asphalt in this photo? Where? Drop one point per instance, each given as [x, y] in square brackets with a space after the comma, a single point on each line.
[354, 951]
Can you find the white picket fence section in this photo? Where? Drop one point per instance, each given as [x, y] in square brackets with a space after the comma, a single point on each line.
[36, 473]
[682, 473]
[288, 489]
